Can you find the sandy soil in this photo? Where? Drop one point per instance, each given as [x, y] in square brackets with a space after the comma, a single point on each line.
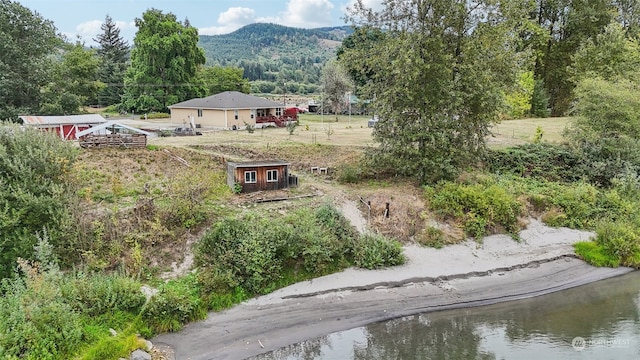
[457, 276]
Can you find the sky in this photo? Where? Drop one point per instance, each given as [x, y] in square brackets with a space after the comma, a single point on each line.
[77, 18]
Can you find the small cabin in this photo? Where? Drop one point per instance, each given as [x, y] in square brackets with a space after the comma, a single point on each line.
[259, 175]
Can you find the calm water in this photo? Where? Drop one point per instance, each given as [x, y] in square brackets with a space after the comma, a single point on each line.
[595, 321]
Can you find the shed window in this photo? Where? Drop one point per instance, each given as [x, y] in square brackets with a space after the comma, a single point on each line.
[278, 111]
[250, 177]
[199, 112]
[272, 175]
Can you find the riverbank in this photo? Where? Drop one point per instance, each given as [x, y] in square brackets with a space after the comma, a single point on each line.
[457, 276]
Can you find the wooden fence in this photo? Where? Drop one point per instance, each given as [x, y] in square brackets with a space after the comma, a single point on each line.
[114, 140]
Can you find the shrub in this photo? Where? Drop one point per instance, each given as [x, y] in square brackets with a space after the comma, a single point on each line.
[349, 174]
[176, 303]
[35, 320]
[621, 240]
[97, 294]
[376, 251]
[158, 115]
[36, 192]
[480, 207]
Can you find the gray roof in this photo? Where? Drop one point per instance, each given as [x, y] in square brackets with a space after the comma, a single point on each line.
[64, 120]
[257, 163]
[228, 100]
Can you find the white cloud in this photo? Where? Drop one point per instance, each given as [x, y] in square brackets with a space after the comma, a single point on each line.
[375, 5]
[90, 29]
[308, 13]
[230, 20]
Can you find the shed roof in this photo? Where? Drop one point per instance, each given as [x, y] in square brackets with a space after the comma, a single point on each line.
[64, 119]
[247, 164]
[228, 100]
[108, 125]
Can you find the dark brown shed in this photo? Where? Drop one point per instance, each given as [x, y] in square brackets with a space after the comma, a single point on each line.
[259, 175]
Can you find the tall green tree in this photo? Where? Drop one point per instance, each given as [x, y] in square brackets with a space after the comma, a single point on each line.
[113, 51]
[26, 41]
[217, 79]
[336, 83]
[563, 26]
[74, 81]
[164, 62]
[438, 81]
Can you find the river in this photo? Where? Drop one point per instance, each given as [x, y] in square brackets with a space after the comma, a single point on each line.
[600, 320]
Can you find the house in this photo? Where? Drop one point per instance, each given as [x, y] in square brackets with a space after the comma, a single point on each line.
[66, 126]
[112, 134]
[259, 175]
[228, 110]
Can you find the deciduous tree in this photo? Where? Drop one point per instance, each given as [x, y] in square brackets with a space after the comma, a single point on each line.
[438, 81]
[336, 83]
[164, 62]
[26, 41]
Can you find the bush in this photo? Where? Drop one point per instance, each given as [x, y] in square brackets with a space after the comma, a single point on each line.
[595, 254]
[35, 320]
[480, 207]
[620, 240]
[176, 303]
[375, 251]
[158, 115]
[36, 192]
[98, 294]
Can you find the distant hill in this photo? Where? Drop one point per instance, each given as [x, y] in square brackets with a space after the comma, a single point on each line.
[272, 55]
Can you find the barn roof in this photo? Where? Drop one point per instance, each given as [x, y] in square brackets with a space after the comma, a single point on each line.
[228, 100]
[248, 164]
[87, 119]
[104, 128]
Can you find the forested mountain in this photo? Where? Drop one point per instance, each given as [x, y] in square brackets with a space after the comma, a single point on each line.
[272, 55]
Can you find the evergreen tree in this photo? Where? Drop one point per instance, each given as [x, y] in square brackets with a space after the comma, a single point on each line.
[113, 51]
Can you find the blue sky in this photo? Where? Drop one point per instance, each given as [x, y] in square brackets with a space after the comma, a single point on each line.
[83, 18]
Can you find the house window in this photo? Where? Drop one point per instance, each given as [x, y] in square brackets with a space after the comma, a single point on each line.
[199, 112]
[253, 113]
[278, 111]
[250, 177]
[236, 114]
[272, 175]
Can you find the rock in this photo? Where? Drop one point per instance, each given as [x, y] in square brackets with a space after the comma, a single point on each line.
[148, 291]
[113, 332]
[140, 355]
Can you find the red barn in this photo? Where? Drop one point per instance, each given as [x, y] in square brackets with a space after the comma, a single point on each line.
[66, 126]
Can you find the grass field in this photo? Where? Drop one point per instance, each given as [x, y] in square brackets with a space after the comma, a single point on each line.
[353, 131]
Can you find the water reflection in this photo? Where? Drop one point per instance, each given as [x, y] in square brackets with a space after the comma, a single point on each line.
[596, 321]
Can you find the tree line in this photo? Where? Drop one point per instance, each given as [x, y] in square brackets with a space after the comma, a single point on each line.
[45, 74]
[441, 72]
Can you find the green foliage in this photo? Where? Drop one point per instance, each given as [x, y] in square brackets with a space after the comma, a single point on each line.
[349, 174]
[537, 137]
[217, 79]
[35, 192]
[481, 208]
[433, 131]
[27, 41]
[164, 61]
[620, 240]
[336, 83]
[176, 303]
[271, 54]
[158, 115]
[375, 251]
[519, 99]
[96, 294]
[546, 161]
[595, 254]
[540, 100]
[35, 321]
[74, 81]
[113, 51]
